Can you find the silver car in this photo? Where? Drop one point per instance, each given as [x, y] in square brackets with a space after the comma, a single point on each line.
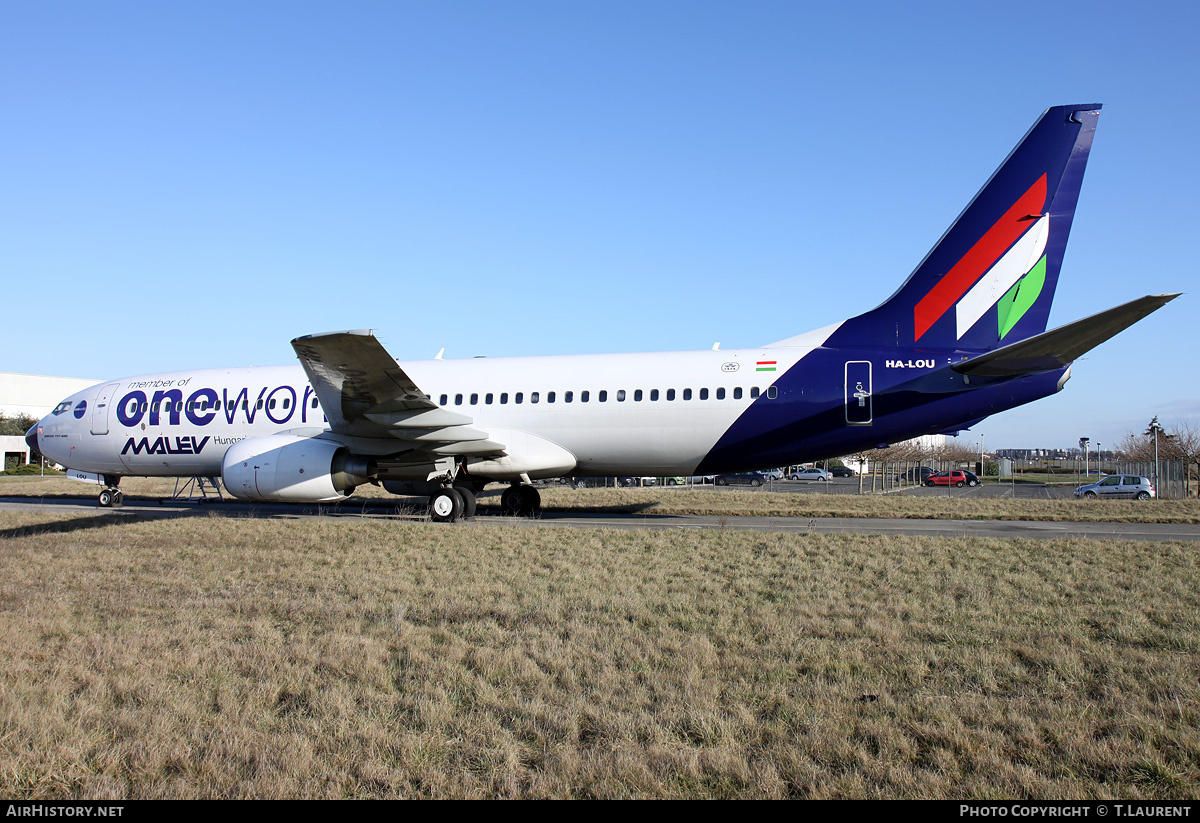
[811, 474]
[1118, 485]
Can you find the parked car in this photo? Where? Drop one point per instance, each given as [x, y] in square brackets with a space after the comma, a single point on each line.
[842, 471]
[697, 480]
[917, 475]
[1119, 485]
[742, 478]
[957, 477]
[772, 474]
[637, 481]
[811, 474]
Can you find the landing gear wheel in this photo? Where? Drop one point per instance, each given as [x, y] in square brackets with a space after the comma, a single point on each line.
[510, 502]
[106, 498]
[531, 499]
[468, 496]
[118, 498]
[521, 501]
[446, 506]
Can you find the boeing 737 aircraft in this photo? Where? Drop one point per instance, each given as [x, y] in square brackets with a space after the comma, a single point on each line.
[963, 338]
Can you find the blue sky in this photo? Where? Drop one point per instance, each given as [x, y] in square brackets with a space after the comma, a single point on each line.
[187, 184]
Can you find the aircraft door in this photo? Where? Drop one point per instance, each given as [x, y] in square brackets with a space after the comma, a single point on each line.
[859, 411]
[100, 408]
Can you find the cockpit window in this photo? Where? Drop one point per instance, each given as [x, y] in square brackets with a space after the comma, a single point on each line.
[62, 407]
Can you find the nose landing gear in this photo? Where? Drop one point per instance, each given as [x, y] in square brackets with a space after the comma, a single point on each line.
[110, 495]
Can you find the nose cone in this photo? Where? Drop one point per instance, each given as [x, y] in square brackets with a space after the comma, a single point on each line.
[31, 437]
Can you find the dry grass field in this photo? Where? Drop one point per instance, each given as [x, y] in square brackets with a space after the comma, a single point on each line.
[218, 657]
[726, 502]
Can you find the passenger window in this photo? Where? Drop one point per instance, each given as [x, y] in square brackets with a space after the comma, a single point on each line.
[603, 395]
[441, 402]
[458, 399]
[568, 397]
[737, 393]
[670, 394]
[754, 392]
[474, 399]
[720, 394]
[687, 394]
[637, 396]
[584, 396]
[518, 398]
[653, 395]
[549, 397]
[772, 392]
[314, 402]
[620, 395]
[704, 394]
[533, 397]
[503, 398]
[488, 399]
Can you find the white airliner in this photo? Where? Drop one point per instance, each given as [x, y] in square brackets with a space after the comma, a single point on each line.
[963, 338]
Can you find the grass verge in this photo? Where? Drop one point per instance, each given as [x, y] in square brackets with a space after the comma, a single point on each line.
[217, 657]
[727, 502]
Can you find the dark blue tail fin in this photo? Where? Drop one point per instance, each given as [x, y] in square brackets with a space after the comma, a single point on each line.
[990, 280]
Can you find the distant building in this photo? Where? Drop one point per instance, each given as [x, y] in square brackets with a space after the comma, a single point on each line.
[1033, 454]
[36, 395]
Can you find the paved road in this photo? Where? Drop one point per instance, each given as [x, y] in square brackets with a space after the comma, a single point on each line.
[86, 507]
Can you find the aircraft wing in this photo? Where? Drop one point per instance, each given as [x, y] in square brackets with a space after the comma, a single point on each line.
[1059, 347]
[365, 393]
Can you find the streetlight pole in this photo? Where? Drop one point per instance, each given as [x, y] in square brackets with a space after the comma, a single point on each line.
[1154, 429]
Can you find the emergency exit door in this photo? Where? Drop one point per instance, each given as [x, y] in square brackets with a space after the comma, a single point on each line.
[859, 410]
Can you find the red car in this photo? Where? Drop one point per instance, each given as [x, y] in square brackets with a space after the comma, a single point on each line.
[952, 478]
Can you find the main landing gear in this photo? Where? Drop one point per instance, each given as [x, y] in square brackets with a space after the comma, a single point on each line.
[452, 503]
[456, 501]
[520, 500]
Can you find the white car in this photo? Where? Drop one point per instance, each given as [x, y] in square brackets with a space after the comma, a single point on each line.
[811, 474]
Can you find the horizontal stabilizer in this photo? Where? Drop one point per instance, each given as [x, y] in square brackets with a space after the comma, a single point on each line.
[1059, 347]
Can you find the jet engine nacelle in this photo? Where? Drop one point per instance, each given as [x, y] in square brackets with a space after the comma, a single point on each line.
[291, 467]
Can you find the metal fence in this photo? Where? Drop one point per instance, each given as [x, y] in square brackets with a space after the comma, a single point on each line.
[1173, 479]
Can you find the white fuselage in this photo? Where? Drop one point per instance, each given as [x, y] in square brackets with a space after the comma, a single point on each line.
[649, 413]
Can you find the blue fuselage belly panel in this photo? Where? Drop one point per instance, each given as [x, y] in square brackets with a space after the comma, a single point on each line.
[822, 409]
